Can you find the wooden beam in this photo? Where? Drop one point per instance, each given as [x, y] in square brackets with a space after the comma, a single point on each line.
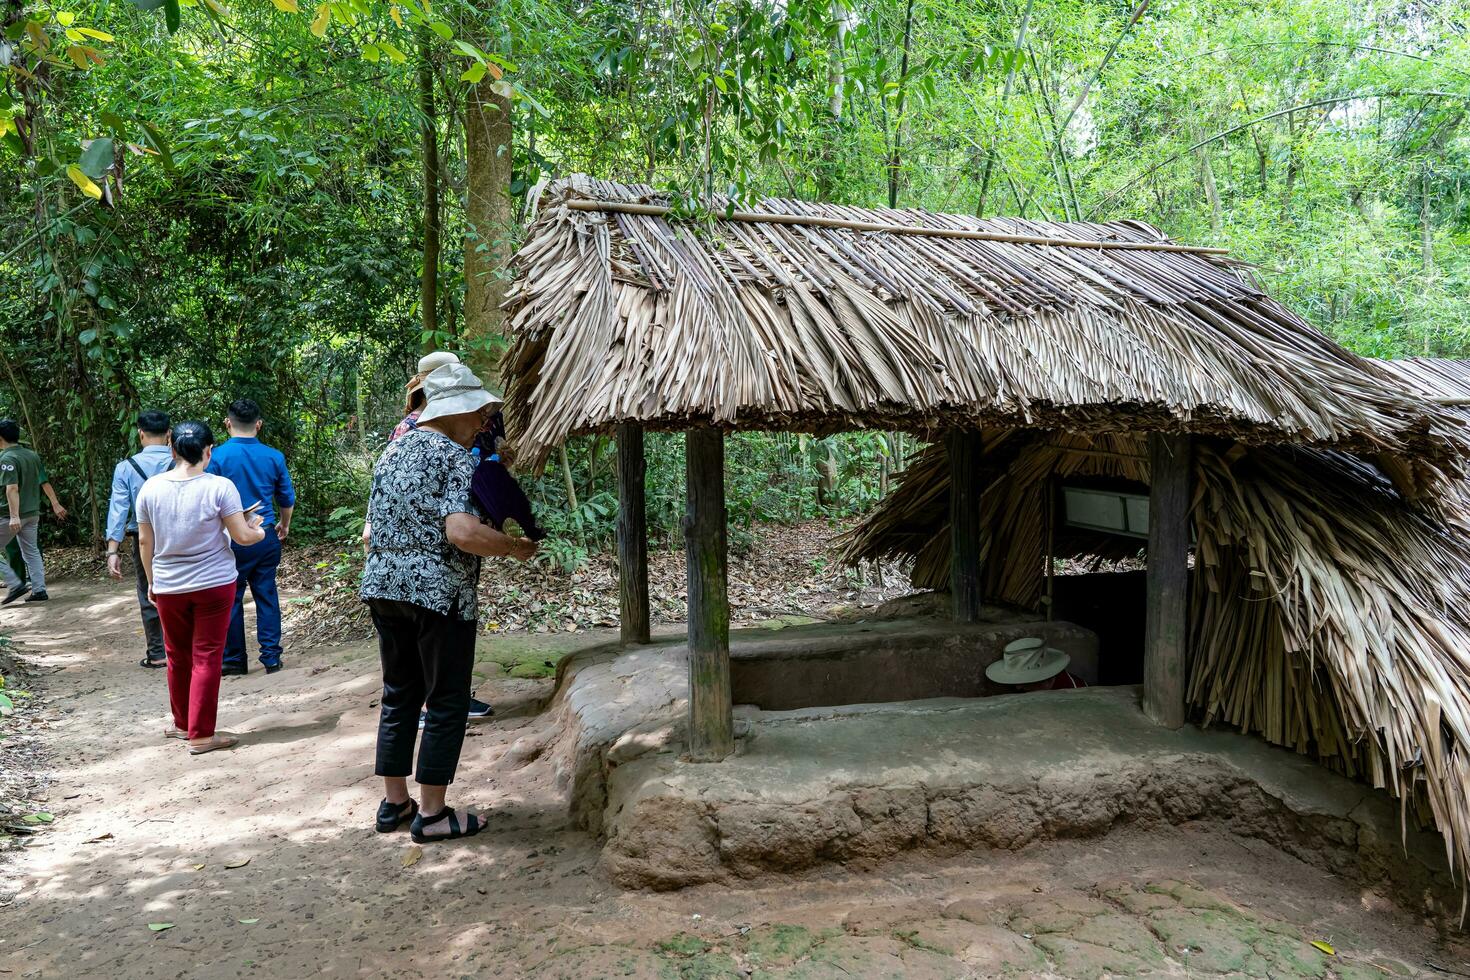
[1166, 624]
[632, 536]
[711, 726]
[966, 450]
[819, 221]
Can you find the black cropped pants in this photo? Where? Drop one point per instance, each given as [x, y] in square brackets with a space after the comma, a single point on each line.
[428, 659]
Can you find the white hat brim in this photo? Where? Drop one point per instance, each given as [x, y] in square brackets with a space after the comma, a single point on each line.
[1053, 662]
[459, 403]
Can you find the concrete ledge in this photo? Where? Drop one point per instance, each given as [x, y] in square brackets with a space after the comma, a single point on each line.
[862, 783]
[613, 705]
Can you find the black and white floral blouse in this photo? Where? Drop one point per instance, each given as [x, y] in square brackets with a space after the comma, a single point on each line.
[421, 478]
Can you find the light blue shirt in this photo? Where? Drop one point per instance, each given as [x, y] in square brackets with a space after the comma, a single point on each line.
[125, 486]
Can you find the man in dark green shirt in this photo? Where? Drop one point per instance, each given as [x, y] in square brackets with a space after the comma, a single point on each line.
[23, 479]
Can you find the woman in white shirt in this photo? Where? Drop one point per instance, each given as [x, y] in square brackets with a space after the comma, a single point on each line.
[186, 520]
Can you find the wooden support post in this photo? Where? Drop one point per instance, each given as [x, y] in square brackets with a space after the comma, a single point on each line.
[711, 727]
[966, 451]
[632, 537]
[1166, 624]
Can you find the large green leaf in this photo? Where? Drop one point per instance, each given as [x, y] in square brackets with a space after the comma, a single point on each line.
[96, 158]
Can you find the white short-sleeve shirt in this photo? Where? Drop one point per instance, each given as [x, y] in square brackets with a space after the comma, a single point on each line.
[191, 548]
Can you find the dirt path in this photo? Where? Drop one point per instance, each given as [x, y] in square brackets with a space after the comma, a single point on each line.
[146, 834]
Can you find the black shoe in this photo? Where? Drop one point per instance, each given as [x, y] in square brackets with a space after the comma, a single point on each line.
[37, 596]
[154, 662]
[479, 709]
[230, 671]
[391, 816]
[273, 668]
[14, 594]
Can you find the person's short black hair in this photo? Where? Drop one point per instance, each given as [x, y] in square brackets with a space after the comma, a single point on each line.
[153, 422]
[244, 411]
[191, 439]
[10, 430]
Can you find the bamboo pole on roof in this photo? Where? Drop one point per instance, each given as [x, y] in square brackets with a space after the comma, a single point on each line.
[819, 221]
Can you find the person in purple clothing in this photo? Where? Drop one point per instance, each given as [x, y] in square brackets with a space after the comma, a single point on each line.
[259, 473]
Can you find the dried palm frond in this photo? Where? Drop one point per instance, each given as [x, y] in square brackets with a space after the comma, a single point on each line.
[624, 317]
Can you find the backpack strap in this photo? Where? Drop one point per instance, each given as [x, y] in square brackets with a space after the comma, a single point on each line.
[134, 464]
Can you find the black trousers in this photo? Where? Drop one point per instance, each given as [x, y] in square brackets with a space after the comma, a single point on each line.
[428, 659]
[152, 628]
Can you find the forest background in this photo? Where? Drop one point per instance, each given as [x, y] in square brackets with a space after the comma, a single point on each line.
[201, 200]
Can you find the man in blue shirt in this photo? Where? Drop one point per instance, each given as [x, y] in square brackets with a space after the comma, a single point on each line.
[259, 473]
[127, 479]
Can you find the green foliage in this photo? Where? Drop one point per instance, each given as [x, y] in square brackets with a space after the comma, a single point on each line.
[199, 202]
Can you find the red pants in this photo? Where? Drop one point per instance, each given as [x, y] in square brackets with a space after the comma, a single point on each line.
[194, 628]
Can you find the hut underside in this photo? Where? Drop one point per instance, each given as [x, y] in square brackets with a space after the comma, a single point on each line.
[1327, 611]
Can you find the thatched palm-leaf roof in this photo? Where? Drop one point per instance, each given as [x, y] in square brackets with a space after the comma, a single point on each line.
[1435, 378]
[623, 317]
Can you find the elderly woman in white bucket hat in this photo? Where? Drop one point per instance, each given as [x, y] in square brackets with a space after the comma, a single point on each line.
[419, 582]
[1028, 664]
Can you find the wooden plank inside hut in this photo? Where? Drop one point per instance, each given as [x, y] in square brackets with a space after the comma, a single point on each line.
[1166, 627]
[632, 536]
[711, 725]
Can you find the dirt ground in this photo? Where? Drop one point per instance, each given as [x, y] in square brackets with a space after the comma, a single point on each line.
[264, 862]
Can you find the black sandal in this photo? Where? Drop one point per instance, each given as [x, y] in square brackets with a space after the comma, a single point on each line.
[155, 664]
[473, 826]
[392, 815]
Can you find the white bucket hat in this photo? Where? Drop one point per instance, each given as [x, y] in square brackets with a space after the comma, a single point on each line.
[1026, 661]
[453, 390]
[431, 362]
[438, 359]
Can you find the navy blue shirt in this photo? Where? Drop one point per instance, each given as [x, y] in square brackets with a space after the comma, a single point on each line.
[258, 472]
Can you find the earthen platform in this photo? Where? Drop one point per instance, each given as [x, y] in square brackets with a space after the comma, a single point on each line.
[855, 784]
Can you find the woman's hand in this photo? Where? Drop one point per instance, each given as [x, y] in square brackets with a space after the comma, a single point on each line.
[244, 528]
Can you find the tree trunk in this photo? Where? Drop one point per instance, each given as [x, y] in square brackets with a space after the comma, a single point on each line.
[836, 82]
[490, 220]
[711, 725]
[1426, 230]
[895, 158]
[1293, 166]
[429, 137]
[1212, 192]
[1005, 96]
[566, 472]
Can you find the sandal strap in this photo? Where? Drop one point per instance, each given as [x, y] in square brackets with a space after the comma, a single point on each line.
[453, 820]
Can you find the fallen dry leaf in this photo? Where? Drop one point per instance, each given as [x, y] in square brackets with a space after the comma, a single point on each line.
[160, 926]
[237, 863]
[412, 857]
